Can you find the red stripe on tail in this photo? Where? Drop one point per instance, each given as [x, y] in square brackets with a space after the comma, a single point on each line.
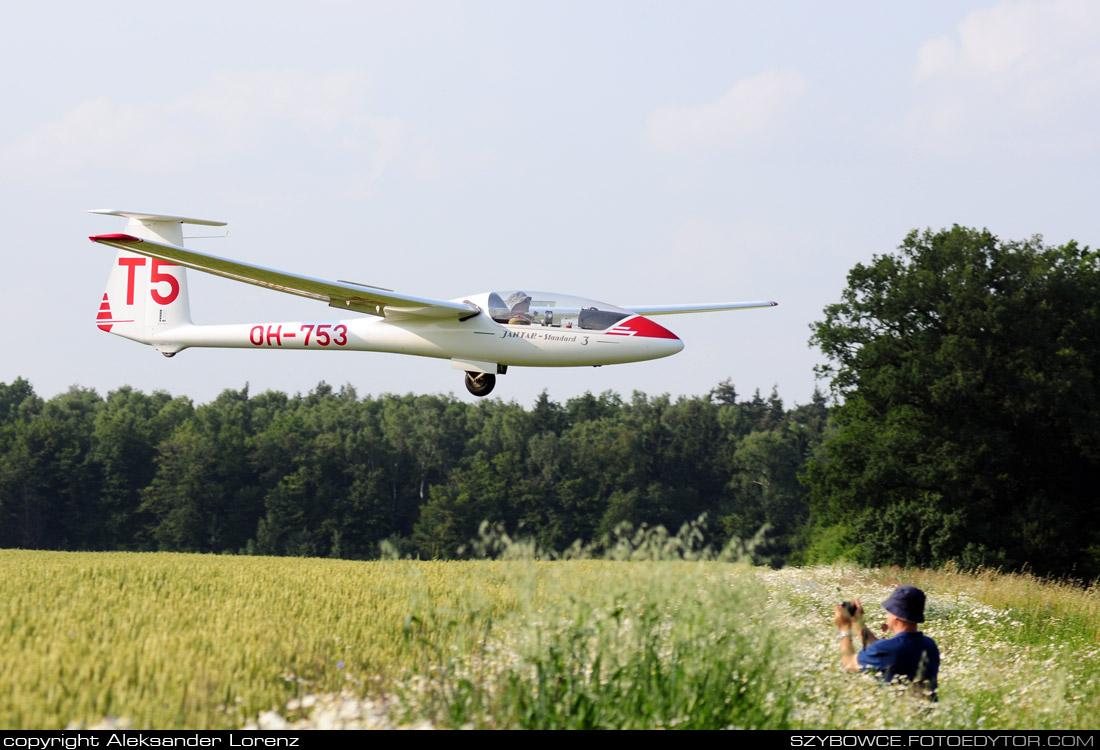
[104, 317]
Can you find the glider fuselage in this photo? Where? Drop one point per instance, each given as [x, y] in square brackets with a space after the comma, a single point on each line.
[478, 338]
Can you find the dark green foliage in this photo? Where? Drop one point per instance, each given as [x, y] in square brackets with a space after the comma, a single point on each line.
[185, 497]
[47, 489]
[128, 429]
[329, 474]
[970, 424]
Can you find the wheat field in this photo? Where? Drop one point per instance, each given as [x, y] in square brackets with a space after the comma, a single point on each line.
[636, 641]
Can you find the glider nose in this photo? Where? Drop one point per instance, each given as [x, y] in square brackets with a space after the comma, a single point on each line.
[663, 340]
[646, 328]
[656, 339]
[674, 344]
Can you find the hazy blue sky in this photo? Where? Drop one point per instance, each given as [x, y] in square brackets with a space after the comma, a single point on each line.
[633, 152]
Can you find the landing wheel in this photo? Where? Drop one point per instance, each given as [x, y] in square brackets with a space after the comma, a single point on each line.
[480, 383]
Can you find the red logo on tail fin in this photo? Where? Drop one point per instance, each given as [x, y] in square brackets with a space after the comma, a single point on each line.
[104, 318]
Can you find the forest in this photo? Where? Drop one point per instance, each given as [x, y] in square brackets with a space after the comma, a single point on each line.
[330, 474]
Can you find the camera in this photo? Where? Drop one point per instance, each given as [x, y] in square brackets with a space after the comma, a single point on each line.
[850, 608]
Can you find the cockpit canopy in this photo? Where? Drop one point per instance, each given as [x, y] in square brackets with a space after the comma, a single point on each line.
[521, 308]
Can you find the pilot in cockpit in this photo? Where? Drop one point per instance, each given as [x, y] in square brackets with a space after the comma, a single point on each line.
[519, 304]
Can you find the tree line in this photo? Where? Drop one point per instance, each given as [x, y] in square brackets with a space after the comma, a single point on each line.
[332, 474]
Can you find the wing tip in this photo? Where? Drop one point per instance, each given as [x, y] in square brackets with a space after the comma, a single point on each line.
[128, 239]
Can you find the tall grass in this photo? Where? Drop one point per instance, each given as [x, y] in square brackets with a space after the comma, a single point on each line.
[643, 631]
[610, 645]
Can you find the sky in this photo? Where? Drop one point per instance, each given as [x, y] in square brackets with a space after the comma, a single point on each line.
[633, 152]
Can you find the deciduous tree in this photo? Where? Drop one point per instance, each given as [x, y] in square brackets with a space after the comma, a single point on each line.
[970, 423]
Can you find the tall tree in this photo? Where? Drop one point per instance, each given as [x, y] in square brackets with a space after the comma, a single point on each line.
[970, 423]
[185, 495]
[125, 437]
[48, 488]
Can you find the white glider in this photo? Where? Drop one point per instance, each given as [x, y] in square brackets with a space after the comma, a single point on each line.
[484, 334]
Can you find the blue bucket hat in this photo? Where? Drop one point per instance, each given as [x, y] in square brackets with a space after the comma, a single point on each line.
[906, 603]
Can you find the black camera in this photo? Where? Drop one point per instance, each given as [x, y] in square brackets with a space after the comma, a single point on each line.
[850, 608]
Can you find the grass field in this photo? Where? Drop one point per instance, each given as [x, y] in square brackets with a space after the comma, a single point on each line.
[191, 641]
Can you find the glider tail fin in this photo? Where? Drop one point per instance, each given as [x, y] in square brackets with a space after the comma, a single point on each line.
[146, 297]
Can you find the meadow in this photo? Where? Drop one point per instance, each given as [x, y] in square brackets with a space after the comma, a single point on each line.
[631, 640]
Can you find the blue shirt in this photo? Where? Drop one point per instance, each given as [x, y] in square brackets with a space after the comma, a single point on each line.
[908, 654]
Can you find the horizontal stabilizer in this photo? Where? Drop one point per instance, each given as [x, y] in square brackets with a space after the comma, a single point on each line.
[144, 217]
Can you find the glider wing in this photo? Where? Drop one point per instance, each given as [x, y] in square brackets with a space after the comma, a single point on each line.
[696, 308]
[345, 295]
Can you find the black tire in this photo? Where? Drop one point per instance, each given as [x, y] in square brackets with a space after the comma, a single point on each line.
[480, 383]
